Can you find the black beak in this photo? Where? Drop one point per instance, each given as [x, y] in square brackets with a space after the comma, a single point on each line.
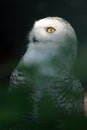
[35, 39]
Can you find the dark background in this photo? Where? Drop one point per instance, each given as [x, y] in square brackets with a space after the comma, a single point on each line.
[16, 20]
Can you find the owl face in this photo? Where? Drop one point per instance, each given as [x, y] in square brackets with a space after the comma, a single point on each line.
[51, 29]
[51, 39]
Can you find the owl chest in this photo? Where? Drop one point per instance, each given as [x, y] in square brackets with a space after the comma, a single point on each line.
[58, 91]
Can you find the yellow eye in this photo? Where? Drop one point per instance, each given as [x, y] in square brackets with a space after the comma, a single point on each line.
[50, 29]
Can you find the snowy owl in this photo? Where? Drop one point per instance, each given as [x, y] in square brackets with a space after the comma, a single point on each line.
[46, 69]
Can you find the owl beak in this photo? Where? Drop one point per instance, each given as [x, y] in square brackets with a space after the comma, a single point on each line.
[35, 39]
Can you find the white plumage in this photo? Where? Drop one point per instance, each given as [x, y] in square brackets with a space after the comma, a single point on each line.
[47, 68]
[49, 43]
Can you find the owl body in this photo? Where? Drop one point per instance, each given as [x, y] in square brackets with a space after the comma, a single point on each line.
[47, 70]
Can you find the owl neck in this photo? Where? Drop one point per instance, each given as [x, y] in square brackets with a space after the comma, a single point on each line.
[49, 59]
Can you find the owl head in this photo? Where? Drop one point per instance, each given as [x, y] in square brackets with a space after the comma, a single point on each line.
[51, 38]
[52, 30]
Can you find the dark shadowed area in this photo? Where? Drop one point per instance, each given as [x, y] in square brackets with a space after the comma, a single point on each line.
[16, 20]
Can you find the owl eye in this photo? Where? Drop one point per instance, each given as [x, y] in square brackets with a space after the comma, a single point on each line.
[50, 29]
